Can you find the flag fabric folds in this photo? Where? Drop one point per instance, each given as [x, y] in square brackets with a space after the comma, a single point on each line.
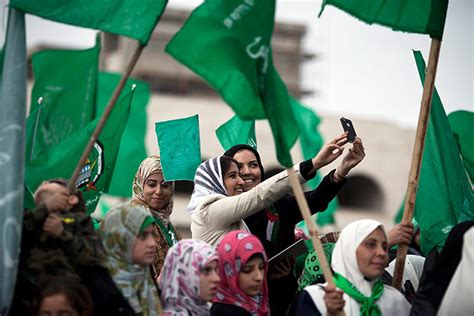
[12, 142]
[131, 18]
[231, 50]
[95, 175]
[462, 123]
[420, 16]
[180, 147]
[444, 196]
[311, 143]
[237, 131]
[132, 149]
[66, 80]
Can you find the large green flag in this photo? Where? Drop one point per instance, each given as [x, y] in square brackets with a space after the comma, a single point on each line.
[237, 131]
[231, 50]
[180, 147]
[444, 196]
[97, 171]
[462, 123]
[418, 16]
[132, 146]
[311, 143]
[12, 142]
[66, 81]
[131, 18]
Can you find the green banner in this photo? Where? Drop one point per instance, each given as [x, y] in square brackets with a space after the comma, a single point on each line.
[231, 50]
[132, 149]
[131, 18]
[237, 131]
[419, 16]
[462, 123]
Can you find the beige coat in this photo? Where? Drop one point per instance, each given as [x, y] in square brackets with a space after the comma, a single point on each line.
[217, 214]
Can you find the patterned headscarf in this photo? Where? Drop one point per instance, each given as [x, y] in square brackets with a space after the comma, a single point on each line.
[179, 279]
[208, 180]
[148, 167]
[119, 230]
[234, 250]
[312, 272]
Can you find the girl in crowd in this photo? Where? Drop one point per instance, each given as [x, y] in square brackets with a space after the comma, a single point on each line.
[358, 261]
[275, 225]
[128, 237]
[219, 204]
[242, 268]
[151, 191]
[189, 278]
[64, 296]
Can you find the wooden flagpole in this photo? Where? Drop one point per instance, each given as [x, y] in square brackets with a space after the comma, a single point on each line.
[304, 209]
[105, 116]
[415, 168]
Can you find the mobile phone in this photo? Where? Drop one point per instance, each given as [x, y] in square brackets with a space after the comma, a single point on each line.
[348, 127]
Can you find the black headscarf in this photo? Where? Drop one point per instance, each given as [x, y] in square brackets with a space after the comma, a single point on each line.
[234, 149]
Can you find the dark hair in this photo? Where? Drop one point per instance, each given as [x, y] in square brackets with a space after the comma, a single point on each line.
[256, 255]
[226, 162]
[235, 149]
[75, 293]
[80, 206]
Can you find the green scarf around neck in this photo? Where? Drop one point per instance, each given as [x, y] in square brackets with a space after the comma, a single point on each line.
[367, 304]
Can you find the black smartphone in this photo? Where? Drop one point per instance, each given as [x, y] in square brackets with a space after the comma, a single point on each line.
[348, 127]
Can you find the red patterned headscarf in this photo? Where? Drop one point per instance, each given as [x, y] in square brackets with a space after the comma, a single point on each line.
[235, 250]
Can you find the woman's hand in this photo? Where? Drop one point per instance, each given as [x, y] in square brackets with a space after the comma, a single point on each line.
[400, 234]
[355, 155]
[333, 300]
[330, 152]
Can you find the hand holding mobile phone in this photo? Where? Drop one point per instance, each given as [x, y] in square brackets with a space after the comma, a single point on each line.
[349, 128]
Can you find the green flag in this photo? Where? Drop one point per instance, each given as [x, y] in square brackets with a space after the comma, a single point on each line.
[12, 142]
[237, 131]
[132, 146]
[444, 196]
[131, 18]
[180, 147]
[462, 123]
[97, 171]
[66, 81]
[418, 16]
[311, 143]
[230, 42]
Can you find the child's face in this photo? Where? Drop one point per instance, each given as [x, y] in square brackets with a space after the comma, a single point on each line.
[46, 191]
[56, 305]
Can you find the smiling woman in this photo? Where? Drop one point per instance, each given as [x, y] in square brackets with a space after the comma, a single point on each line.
[156, 195]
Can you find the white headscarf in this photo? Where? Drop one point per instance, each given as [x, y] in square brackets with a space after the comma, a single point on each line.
[208, 180]
[344, 262]
[413, 269]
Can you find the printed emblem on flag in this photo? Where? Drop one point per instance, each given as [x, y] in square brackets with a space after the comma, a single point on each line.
[92, 169]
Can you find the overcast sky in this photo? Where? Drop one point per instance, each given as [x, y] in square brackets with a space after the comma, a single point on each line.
[361, 71]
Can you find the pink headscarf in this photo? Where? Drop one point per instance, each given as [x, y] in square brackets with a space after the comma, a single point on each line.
[234, 250]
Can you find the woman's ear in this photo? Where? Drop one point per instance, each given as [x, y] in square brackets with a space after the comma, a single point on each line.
[73, 199]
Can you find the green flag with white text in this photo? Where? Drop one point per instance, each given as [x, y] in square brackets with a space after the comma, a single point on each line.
[96, 174]
[132, 149]
[311, 143]
[180, 147]
[444, 196]
[66, 81]
[231, 50]
[131, 18]
[419, 16]
[237, 131]
[462, 123]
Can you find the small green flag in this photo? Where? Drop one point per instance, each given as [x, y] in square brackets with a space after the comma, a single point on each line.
[231, 50]
[237, 131]
[131, 18]
[97, 171]
[419, 16]
[462, 123]
[311, 143]
[444, 196]
[66, 81]
[132, 146]
[180, 147]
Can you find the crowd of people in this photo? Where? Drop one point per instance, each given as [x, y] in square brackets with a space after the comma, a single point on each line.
[137, 264]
